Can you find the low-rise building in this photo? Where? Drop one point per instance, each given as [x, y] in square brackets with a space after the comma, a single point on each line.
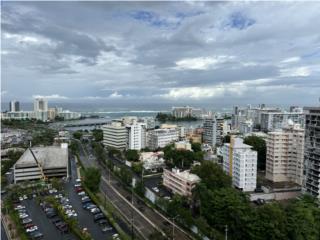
[159, 138]
[41, 163]
[185, 145]
[152, 160]
[180, 182]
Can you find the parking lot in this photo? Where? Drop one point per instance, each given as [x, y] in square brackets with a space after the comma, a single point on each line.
[85, 217]
[45, 225]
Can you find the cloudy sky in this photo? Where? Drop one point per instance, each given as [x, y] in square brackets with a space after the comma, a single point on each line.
[212, 53]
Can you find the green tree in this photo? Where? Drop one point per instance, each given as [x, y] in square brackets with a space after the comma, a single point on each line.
[77, 135]
[132, 155]
[137, 167]
[303, 220]
[270, 223]
[125, 175]
[99, 152]
[92, 178]
[196, 147]
[97, 134]
[212, 175]
[139, 188]
[258, 144]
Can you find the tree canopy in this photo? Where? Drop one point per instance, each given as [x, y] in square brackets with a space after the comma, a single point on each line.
[92, 178]
[258, 144]
[132, 155]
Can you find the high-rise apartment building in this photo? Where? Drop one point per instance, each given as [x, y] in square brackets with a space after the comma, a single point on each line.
[137, 136]
[115, 135]
[284, 158]
[213, 131]
[271, 121]
[240, 162]
[312, 151]
[14, 106]
[40, 104]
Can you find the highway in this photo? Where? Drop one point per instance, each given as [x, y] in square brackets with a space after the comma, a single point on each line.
[145, 219]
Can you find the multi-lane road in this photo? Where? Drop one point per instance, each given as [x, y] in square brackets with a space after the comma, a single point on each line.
[145, 219]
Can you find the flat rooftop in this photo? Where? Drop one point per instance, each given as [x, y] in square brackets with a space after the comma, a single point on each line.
[48, 157]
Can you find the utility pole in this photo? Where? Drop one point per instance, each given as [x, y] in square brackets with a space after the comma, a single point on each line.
[226, 230]
[173, 229]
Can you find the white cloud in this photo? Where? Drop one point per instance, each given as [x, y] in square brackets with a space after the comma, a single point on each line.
[53, 96]
[115, 95]
[296, 72]
[291, 60]
[201, 63]
[3, 92]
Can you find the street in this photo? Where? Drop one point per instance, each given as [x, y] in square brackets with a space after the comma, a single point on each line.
[145, 222]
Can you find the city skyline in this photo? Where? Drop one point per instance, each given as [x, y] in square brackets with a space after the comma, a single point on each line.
[210, 53]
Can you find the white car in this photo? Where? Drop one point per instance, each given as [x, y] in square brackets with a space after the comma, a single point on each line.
[32, 229]
[78, 180]
[53, 190]
[23, 215]
[77, 185]
[20, 198]
[81, 193]
[25, 197]
[19, 207]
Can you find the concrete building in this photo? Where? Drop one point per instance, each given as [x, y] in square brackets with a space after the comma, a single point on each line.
[52, 113]
[14, 106]
[152, 160]
[213, 131]
[115, 135]
[180, 182]
[149, 121]
[42, 163]
[137, 136]
[184, 145]
[240, 162]
[246, 126]
[285, 153]
[159, 138]
[182, 112]
[271, 121]
[22, 115]
[67, 115]
[312, 151]
[40, 104]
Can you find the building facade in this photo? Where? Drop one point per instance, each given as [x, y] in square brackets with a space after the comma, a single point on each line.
[240, 162]
[180, 182]
[14, 106]
[42, 163]
[115, 135]
[285, 153]
[271, 121]
[312, 151]
[137, 136]
[159, 138]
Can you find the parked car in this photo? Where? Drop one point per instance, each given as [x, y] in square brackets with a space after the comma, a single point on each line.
[31, 229]
[105, 228]
[26, 220]
[23, 215]
[98, 217]
[81, 193]
[95, 210]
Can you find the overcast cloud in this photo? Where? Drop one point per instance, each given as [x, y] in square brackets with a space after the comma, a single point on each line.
[180, 52]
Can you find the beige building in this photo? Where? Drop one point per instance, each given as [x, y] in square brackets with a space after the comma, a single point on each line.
[184, 145]
[180, 182]
[115, 135]
[284, 160]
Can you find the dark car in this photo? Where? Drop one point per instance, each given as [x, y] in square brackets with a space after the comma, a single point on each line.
[102, 222]
[85, 205]
[86, 201]
[51, 214]
[36, 235]
[98, 217]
